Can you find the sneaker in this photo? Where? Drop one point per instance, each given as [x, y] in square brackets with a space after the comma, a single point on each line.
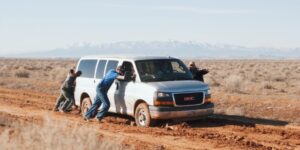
[99, 120]
[87, 119]
[61, 110]
[74, 107]
[69, 110]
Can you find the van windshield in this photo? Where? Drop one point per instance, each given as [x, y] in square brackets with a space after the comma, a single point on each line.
[162, 70]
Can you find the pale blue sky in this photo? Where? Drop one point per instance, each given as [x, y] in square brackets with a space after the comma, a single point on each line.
[34, 25]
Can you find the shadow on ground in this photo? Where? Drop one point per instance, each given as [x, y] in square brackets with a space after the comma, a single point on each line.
[215, 120]
[223, 120]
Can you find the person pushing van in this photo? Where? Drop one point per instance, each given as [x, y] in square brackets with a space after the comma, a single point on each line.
[101, 94]
[66, 98]
[196, 72]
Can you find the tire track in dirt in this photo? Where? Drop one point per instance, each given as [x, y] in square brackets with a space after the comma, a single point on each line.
[214, 133]
[27, 98]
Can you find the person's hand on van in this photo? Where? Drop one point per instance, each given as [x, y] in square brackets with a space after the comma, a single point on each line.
[121, 74]
[133, 76]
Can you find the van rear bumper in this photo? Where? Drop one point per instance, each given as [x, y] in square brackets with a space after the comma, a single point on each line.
[181, 112]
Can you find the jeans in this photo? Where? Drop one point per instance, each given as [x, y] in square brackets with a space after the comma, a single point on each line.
[102, 100]
[65, 100]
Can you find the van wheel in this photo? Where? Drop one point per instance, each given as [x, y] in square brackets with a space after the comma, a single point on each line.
[85, 105]
[142, 116]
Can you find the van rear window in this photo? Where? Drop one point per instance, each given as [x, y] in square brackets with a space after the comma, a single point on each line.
[100, 69]
[112, 64]
[87, 67]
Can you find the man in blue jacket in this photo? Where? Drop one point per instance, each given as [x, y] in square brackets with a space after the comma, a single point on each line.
[101, 96]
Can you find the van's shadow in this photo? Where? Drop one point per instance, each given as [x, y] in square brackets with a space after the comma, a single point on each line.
[217, 120]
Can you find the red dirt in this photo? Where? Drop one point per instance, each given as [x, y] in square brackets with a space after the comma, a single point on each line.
[212, 133]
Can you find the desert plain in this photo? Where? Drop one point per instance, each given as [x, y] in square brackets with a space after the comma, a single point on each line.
[257, 107]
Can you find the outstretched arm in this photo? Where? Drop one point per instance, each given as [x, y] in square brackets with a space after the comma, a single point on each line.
[203, 71]
[119, 77]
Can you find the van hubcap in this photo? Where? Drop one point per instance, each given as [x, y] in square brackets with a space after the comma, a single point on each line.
[142, 117]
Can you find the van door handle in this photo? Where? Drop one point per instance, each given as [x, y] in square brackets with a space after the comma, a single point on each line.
[117, 85]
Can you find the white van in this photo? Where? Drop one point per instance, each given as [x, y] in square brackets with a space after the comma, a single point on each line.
[163, 88]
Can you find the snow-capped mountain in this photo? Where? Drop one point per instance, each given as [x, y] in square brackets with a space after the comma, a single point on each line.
[168, 48]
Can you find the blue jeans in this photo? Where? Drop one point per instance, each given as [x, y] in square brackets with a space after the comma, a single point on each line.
[100, 99]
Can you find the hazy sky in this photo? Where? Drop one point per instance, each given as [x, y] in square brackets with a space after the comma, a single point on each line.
[28, 25]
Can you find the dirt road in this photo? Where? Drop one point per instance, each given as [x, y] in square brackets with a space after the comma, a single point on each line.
[211, 133]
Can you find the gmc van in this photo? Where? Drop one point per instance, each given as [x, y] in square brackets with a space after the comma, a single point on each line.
[162, 88]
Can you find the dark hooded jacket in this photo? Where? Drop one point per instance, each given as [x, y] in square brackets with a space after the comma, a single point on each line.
[198, 73]
[69, 84]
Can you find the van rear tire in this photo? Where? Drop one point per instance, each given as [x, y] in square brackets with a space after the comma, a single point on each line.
[142, 116]
[85, 106]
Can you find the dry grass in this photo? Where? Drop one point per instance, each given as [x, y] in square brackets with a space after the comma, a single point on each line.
[28, 73]
[233, 83]
[240, 87]
[45, 69]
[267, 89]
[53, 135]
[233, 76]
[253, 77]
[22, 74]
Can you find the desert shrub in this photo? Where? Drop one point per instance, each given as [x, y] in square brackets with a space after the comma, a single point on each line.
[252, 77]
[32, 68]
[22, 74]
[47, 68]
[251, 65]
[233, 83]
[54, 135]
[213, 82]
[233, 110]
[241, 71]
[268, 85]
[282, 91]
[4, 74]
[2, 83]
[278, 78]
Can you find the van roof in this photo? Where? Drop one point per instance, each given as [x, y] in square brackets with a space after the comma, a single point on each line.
[128, 57]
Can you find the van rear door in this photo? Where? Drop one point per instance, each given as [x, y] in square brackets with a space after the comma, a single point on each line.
[112, 64]
[86, 82]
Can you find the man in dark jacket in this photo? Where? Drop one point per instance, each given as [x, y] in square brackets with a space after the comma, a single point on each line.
[66, 99]
[197, 73]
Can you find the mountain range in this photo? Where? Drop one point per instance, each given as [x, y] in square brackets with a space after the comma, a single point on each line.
[188, 49]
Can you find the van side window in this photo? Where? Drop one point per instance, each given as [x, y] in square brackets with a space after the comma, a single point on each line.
[100, 69]
[177, 68]
[87, 68]
[112, 64]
